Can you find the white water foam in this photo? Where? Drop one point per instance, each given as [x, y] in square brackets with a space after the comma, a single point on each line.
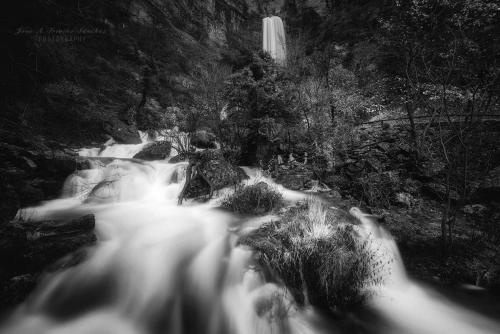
[163, 268]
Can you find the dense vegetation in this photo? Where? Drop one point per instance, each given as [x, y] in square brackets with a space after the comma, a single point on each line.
[393, 105]
[77, 70]
[400, 113]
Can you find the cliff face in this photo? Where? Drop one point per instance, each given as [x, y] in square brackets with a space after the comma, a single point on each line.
[75, 71]
[78, 70]
[325, 20]
[203, 20]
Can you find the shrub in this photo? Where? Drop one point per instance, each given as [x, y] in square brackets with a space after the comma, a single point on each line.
[253, 199]
[319, 256]
[379, 189]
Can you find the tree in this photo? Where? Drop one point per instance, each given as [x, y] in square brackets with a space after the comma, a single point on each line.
[259, 109]
[209, 94]
[445, 61]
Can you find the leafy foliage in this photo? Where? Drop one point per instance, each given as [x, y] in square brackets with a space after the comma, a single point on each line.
[444, 60]
[259, 106]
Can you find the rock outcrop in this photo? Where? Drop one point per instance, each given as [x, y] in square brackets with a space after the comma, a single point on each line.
[31, 172]
[29, 248]
[155, 151]
[207, 172]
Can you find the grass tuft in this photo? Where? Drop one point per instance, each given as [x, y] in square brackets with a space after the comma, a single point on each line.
[319, 256]
[257, 198]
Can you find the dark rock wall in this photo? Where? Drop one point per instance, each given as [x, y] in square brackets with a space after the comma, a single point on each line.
[74, 71]
[31, 171]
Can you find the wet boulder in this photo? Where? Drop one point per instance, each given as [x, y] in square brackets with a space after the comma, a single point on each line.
[155, 151]
[217, 169]
[211, 171]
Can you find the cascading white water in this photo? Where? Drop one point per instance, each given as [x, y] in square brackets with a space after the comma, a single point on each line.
[109, 149]
[163, 268]
[413, 309]
[274, 40]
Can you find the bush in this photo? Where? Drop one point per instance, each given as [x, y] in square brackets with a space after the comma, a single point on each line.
[253, 199]
[379, 189]
[319, 256]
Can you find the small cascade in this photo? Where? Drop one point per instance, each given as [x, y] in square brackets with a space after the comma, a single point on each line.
[274, 40]
[410, 307]
[111, 149]
[158, 268]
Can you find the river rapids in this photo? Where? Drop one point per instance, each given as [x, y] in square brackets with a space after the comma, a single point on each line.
[163, 268]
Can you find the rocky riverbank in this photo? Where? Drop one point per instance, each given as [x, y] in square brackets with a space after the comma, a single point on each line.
[385, 177]
[33, 171]
[379, 179]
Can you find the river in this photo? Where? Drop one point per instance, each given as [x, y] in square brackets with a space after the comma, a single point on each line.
[163, 268]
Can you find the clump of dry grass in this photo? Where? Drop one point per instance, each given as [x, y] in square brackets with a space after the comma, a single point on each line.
[318, 254]
[257, 198]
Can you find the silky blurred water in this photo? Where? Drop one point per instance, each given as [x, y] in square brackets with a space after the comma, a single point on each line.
[163, 268]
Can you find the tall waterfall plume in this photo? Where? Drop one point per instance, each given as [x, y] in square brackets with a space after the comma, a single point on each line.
[274, 41]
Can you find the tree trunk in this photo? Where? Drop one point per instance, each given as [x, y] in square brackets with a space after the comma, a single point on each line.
[189, 171]
[332, 115]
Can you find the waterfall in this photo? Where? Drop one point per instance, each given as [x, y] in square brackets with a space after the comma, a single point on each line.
[163, 268]
[274, 41]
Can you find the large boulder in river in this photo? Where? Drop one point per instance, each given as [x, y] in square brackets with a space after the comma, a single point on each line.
[213, 172]
[155, 151]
